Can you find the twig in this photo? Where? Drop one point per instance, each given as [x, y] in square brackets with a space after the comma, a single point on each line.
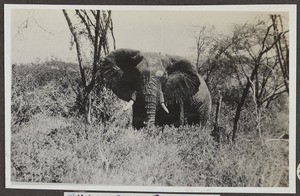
[41, 26]
[283, 140]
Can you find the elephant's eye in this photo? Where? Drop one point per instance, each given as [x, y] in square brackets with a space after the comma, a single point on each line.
[159, 73]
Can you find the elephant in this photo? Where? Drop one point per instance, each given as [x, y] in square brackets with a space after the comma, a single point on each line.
[162, 89]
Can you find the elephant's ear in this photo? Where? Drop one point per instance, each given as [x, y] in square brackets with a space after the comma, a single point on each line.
[120, 73]
[182, 81]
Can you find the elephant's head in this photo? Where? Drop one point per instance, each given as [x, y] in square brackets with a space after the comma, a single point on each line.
[153, 79]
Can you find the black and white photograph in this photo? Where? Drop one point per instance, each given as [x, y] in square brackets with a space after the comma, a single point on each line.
[151, 98]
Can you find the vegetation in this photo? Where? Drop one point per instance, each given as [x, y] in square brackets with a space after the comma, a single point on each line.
[248, 69]
[50, 142]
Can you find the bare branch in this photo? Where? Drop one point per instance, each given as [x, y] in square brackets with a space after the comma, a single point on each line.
[79, 55]
[90, 22]
[265, 37]
[112, 33]
[42, 27]
[87, 26]
[279, 51]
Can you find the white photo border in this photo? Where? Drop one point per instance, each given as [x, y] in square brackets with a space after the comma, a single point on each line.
[290, 8]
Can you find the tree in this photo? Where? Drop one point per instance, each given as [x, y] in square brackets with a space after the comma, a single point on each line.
[249, 67]
[257, 48]
[203, 40]
[94, 26]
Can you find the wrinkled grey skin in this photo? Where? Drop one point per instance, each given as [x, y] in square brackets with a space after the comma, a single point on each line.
[152, 82]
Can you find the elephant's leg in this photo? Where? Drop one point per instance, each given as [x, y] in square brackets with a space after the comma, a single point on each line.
[139, 115]
[171, 118]
[177, 111]
[192, 114]
[197, 113]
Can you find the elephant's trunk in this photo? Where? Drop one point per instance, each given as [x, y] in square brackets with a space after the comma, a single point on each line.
[150, 92]
[153, 95]
[150, 106]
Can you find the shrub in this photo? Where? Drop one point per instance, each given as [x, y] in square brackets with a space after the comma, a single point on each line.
[42, 88]
[49, 142]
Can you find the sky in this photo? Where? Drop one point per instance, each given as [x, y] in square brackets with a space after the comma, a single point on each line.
[47, 35]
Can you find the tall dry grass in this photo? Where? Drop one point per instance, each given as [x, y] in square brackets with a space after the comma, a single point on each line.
[50, 143]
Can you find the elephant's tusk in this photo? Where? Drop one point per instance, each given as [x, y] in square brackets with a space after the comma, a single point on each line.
[164, 107]
[129, 104]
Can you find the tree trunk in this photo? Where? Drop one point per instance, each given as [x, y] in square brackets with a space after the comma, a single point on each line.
[88, 106]
[217, 133]
[181, 113]
[243, 98]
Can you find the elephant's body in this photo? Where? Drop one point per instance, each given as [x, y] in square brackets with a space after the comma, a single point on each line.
[155, 81]
[196, 109]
